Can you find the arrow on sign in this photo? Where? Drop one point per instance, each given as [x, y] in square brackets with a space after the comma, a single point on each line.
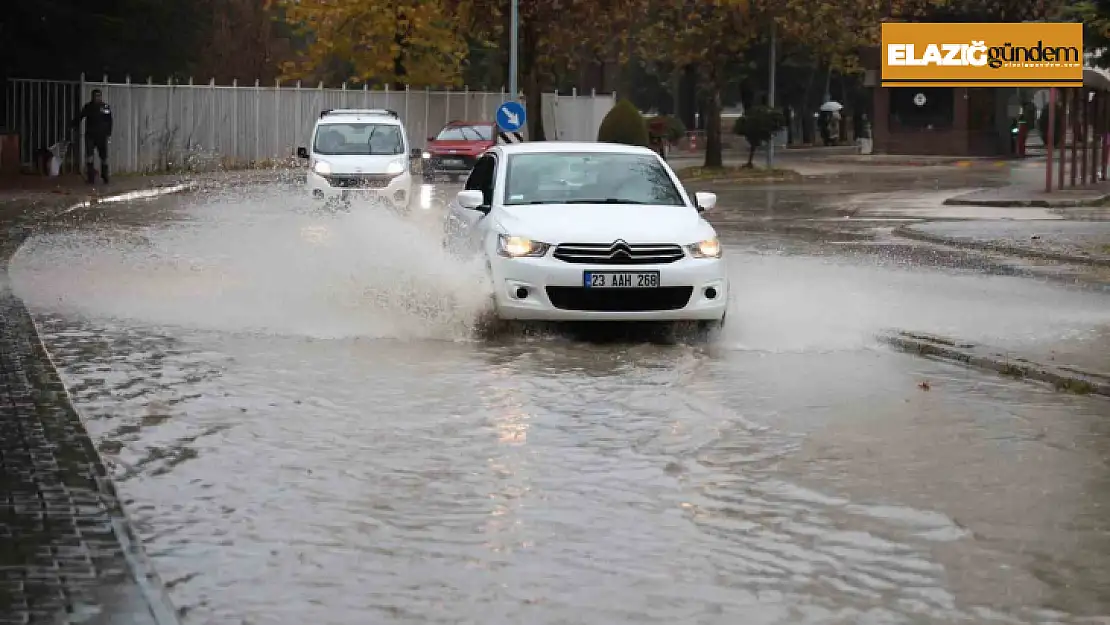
[513, 118]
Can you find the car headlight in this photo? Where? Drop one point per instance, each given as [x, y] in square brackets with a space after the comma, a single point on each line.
[395, 167]
[322, 168]
[709, 248]
[519, 247]
[426, 155]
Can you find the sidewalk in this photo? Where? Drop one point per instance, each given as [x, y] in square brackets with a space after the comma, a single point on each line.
[67, 554]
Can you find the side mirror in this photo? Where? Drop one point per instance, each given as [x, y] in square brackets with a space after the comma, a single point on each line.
[302, 153]
[705, 201]
[416, 153]
[471, 199]
[430, 139]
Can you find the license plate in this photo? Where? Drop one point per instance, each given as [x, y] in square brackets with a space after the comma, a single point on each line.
[620, 279]
[452, 161]
[361, 194]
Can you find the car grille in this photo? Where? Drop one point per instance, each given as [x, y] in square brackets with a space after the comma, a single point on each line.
[619, 300]
[360, 181]
[618, 253]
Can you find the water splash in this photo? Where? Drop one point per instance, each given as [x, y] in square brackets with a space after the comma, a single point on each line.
[260, 262]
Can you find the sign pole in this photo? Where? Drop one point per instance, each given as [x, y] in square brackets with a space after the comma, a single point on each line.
[1050, 140]
[514, 33]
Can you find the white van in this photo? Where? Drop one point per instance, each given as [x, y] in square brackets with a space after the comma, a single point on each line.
[361, 154]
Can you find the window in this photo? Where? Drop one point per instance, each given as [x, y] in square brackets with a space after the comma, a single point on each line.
[359, 139]
[466, 133]
[589, 178]
[922, 107]
[481, 178]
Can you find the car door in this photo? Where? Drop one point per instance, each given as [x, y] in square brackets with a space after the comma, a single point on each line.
[466, 225]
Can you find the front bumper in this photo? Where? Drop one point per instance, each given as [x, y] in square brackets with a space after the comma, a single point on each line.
[689, 290]
[448, 164]
[395, 193]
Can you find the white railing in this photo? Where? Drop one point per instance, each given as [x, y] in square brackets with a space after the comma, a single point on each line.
[162, 127]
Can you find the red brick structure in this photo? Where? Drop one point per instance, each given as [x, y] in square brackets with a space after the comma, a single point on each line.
[956, 121]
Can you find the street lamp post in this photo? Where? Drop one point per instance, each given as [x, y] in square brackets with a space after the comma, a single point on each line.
[513, 35]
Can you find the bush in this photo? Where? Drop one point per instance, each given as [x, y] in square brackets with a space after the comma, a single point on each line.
[666, 127]
[758, 125]
[623, 124]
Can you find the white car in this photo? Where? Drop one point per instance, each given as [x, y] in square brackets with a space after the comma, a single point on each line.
[589, 232]
[361, 154]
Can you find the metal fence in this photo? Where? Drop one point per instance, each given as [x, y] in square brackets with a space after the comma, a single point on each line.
[162, 127]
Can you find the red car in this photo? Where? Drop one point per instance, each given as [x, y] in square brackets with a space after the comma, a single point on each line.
[456, 147]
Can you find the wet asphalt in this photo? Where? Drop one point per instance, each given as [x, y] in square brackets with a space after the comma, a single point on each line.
[307, 426]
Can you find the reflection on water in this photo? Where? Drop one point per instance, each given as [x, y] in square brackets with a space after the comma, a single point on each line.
[329, 458]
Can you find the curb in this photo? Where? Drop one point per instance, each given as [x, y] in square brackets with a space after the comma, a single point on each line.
[141, 571]
[909, 232]
[1064, 379]
[1061, 203]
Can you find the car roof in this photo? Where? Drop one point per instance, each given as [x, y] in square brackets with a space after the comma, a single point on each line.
[557, 147]
[340, 116]
[466, 123]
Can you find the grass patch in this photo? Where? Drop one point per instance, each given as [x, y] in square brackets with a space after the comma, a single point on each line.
[736, 174]
[1077, 387]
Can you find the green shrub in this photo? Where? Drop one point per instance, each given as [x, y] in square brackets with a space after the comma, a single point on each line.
[623, 124]
[758, 125]
[666, 127]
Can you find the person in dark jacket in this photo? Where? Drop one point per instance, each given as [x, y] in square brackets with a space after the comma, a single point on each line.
[98, 133]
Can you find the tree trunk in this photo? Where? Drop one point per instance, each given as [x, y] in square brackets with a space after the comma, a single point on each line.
[688, 96]
[751, 154]
[533, 89]
[713, 147]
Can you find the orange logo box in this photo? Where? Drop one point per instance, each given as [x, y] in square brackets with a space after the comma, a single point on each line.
[1025, 54]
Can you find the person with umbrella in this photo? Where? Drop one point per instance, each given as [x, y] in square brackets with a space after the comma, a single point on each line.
[829, 120]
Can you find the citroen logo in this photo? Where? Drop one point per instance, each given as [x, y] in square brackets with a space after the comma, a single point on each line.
[620, 248]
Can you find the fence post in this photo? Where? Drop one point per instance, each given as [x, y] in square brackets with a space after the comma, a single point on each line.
[80, 135]
[299, 113]
[212, 117]
[427, 106]
[278, 152]
[406, 108]
[235, 119]
[466, 101]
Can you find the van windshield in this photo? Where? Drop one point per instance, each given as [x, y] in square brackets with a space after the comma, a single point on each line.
[359, 139]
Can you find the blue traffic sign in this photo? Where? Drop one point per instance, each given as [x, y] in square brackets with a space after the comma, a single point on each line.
[511, 116]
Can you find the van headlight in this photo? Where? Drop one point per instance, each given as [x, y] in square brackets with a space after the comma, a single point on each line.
[322, 168]
[520, 247]
[395, 167]
[709, 248]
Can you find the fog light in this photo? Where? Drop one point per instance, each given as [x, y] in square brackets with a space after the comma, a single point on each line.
[711, 293]
[521, 292]
[399, 196]
[317, 193]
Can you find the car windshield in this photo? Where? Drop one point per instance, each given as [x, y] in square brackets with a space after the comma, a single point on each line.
[359, 139]
[466, 133]
[589, 178]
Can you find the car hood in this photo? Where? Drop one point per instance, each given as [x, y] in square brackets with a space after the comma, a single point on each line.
[359, 164]
[605, 223]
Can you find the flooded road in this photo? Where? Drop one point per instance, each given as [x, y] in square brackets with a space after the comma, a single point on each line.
[307, 429]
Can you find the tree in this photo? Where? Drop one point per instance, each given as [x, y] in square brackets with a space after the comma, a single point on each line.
[415, 42]
[758, 125]
[623, 124]
[710, 36]
[1095, 15]
[556, 36]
